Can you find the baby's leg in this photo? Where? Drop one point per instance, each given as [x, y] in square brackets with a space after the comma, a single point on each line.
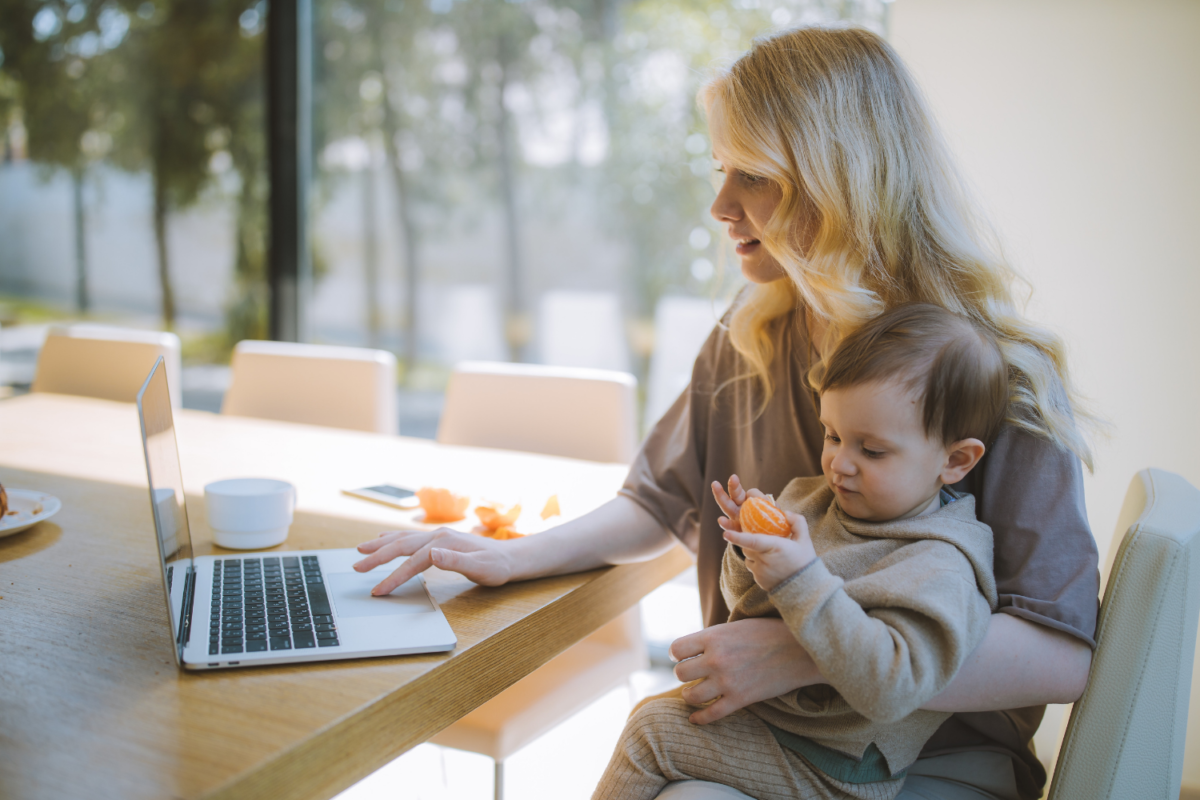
[659, 745]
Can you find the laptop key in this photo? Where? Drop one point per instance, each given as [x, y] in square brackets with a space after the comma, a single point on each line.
[303, 639]
[322, 618]
[254, 635]
[256, 646]
[326, 634]
[231, 648]
[327, 642]
[319, 600]
[281, 643]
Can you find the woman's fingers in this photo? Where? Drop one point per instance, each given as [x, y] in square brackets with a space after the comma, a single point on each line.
[728, 524]
[736, 491]
[687, 646]
[416, 563]
[723, 707]
[401, 543]
[724, 501]
[487, 566]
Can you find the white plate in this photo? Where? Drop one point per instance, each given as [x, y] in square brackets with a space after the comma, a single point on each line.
[31, 507]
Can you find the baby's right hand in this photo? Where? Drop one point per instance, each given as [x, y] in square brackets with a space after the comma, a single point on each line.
[730, 502]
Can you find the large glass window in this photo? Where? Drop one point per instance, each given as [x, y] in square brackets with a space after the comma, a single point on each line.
[524, 180]
[492, 179]
[133, 183]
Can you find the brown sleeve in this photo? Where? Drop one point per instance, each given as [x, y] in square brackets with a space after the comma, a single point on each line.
[1030, 491]
[666, 477]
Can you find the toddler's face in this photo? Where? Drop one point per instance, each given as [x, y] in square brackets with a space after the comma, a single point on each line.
[877, 458]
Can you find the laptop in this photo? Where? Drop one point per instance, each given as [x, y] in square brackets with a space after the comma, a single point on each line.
[249, 609]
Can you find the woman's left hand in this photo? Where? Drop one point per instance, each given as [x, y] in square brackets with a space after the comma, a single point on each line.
[739, 663]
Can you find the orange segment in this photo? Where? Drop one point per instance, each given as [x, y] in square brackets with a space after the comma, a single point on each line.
[505, 533]
[495, 516]
[442, 505]
[760, 515]
[551, 508]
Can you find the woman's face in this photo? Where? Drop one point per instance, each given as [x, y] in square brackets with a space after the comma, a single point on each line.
[744, 204]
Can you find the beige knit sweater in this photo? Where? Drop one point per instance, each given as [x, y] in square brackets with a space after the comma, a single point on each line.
[888, 611]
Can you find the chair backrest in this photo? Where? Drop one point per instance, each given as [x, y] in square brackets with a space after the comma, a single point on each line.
[105, 362]
[582, 329]
[681, 326]
[1126, 734]
[339, 387]
[562, 411]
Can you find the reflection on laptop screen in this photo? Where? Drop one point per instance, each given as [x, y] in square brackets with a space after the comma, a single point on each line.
[166, 495]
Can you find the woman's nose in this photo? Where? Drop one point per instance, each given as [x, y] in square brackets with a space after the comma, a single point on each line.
[725, 208]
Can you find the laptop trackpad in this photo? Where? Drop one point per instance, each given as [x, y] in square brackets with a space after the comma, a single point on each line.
[351, 594]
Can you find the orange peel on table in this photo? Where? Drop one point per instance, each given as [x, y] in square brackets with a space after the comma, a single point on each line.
[503, 533]
[760, 515]
[494, 516]
[551, 509]
[442, 505]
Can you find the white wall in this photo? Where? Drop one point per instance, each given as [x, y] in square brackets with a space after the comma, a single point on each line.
[1078, 125]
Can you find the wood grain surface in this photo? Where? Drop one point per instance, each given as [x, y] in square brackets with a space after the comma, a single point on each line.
[91, 702]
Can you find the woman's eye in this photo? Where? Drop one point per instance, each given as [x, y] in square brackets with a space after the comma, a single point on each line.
[872, 453]
[829, 437]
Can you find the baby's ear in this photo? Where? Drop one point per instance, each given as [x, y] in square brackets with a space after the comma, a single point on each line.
[961, 458]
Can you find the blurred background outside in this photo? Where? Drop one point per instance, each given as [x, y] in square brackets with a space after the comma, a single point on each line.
[491, 180]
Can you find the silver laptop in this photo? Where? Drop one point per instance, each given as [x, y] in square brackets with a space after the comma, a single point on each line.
[270, 607]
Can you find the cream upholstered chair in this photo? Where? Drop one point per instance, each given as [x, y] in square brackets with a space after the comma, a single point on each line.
[560, 411]
[105, 362]
[1126, 734]
[340, 387]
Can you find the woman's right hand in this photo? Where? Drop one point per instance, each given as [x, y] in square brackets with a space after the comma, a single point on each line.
[479, 559]
[739, 663]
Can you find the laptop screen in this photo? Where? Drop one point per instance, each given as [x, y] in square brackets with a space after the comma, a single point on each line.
[166, 498]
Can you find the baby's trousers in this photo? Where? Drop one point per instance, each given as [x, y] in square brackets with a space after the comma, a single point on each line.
[659, 745]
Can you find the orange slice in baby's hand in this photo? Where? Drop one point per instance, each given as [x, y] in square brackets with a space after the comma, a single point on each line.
[442, 505]
[551, 508]
[760, 515]
[494, 516]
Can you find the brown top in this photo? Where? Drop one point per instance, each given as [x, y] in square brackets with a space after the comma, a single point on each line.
[1028, 490]
[888, 610]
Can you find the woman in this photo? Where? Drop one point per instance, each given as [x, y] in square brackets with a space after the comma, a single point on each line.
[843, 202]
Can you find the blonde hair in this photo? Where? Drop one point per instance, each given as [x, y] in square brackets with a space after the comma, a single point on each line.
[832, 117]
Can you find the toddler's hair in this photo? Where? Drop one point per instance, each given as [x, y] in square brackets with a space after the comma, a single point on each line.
[953, 366]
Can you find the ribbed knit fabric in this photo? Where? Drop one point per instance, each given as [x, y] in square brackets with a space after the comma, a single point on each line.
[659, 745]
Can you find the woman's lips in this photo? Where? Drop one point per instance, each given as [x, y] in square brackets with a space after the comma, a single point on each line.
[746, 248]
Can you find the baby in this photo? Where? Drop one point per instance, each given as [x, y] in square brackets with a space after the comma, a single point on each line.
[886, 578]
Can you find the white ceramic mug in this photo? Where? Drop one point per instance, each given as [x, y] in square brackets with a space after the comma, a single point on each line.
[249, 513]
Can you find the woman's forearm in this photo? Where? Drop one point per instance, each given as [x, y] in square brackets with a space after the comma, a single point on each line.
[618, 532]
[1017, 664]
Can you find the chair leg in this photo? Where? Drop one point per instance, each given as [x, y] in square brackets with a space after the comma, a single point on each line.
[499, 790]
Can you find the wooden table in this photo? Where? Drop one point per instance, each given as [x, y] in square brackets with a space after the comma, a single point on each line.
[91, 703]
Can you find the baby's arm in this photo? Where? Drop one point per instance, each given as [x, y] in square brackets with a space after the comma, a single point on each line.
[889, 640]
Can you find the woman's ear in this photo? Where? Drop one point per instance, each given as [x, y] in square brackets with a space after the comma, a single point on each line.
[961, 458]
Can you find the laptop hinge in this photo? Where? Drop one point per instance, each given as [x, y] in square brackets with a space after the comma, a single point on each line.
[189, 597]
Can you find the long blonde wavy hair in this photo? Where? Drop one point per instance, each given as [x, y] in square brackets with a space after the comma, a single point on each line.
[834, 119]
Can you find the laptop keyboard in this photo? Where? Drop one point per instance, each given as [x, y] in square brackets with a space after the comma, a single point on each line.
[275, 603]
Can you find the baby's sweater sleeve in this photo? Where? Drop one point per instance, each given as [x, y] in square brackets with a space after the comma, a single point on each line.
[892, 639]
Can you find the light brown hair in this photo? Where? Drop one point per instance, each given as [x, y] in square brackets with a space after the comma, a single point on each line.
[833, 118]
[951, 365]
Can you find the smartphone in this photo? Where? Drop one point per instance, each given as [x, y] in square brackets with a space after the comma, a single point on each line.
[387, 494]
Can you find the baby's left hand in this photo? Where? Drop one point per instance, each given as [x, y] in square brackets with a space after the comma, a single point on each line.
[773, 559]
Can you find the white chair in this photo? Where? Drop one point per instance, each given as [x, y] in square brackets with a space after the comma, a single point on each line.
[340, 387]
[575, 413]
[560, 411]
[681, 324]
[105, 362]
[582, 329]
[1125, 737]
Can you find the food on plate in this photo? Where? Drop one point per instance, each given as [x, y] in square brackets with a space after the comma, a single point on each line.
[760, 515]
[3, 501]
[442, 505]
[494, 516]
[551, 508]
